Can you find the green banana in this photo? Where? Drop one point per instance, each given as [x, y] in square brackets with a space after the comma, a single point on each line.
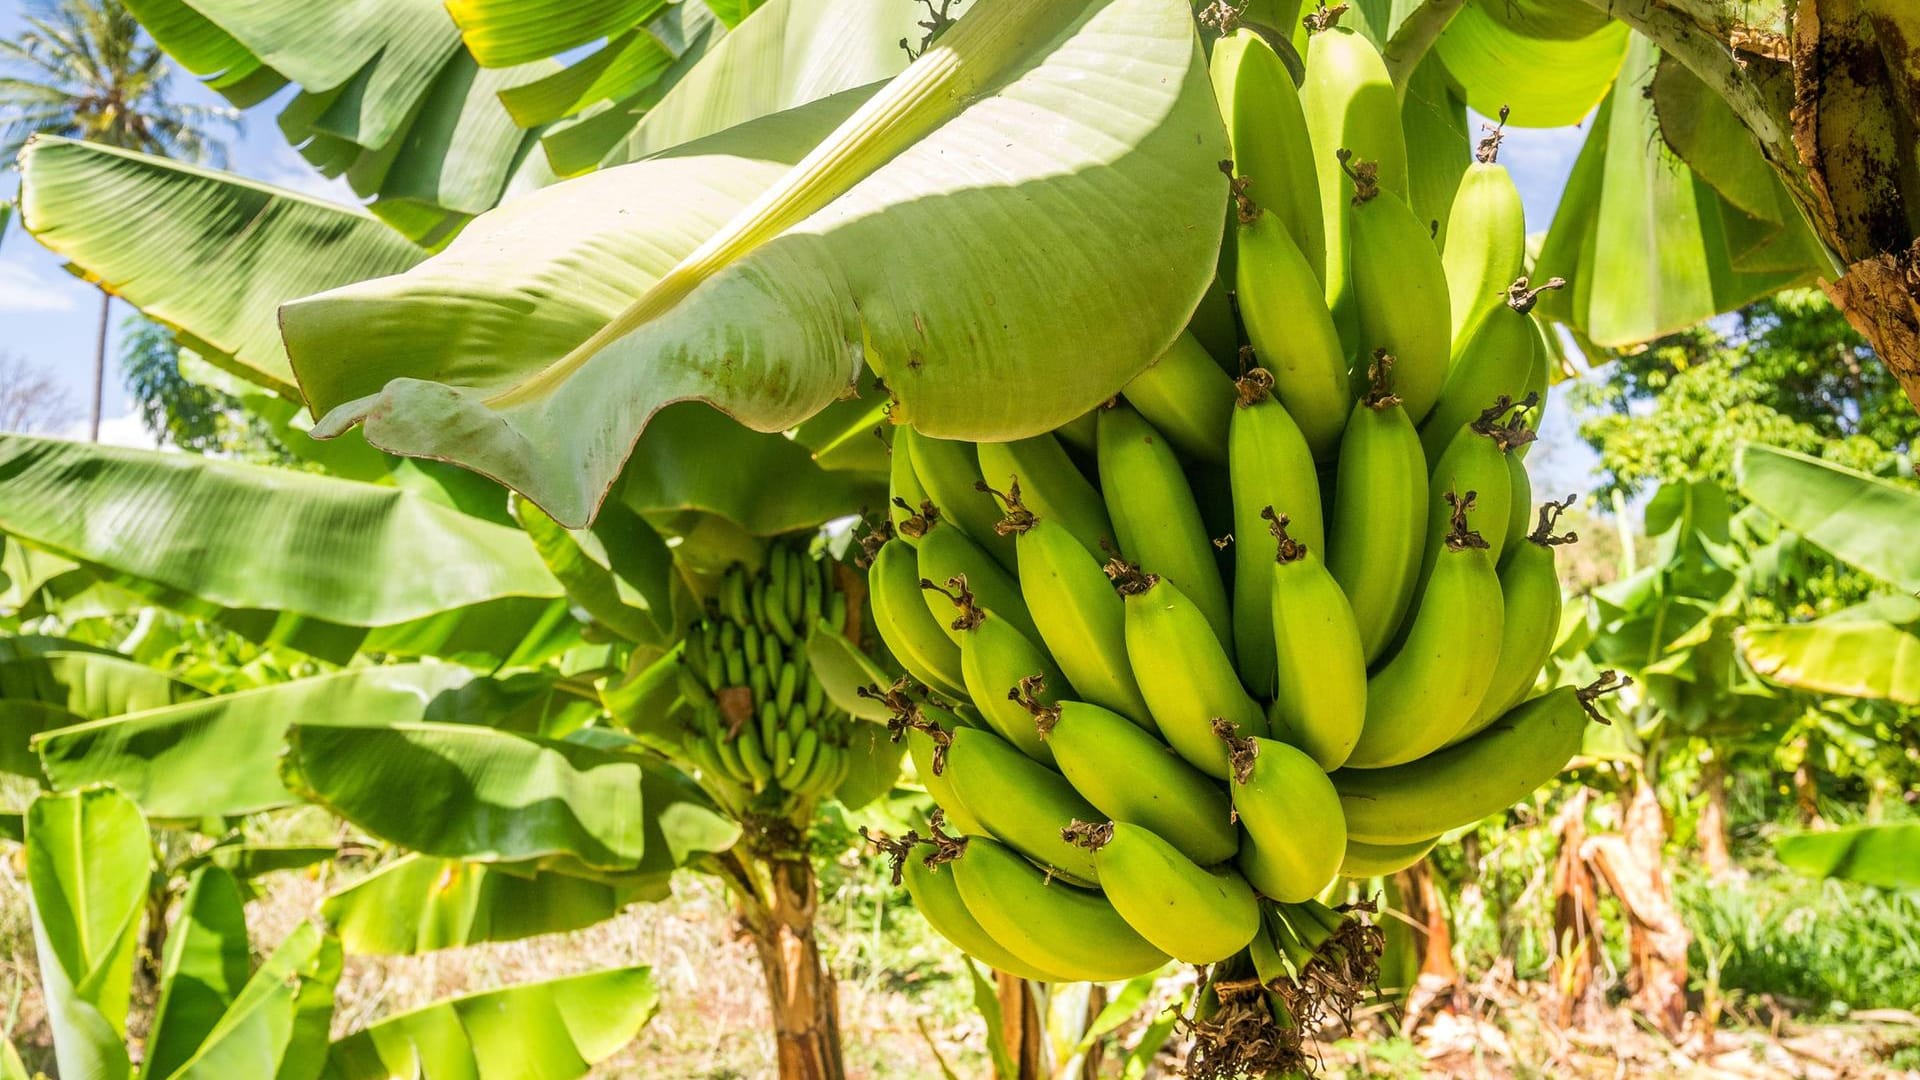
[1268, 132]
[1128, 776]
[1399, 288]
[1269, 466]
[1050, 483]
[1294, 834]
[1320, 700]
[1350, 103]
[1049, 924]
[1379, 512]
[1530, 595]
[1484, 775]
[1497, 363]
[938, 900]
[1082, 621]
[805, 748]
[950, 472]
[1291, 331]
[909, 507]
[1475, 461]
[753, 756]
[1187, 678]
[1364, 860]
[1078, 433]
[946, 553]
[1186, 397]
[1155, 518]
[1520, 509]
[1020, 801]
[996, 660]
[1545, 365]
[928, 751]
[1193, 914]
[1486, 235]
[907, 624]
[1431, 687]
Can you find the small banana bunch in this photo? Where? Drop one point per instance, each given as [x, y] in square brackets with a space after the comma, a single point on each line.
[1187, 661]
[759, 720]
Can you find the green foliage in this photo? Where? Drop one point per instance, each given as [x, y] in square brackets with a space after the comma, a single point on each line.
[1822, 943]
[1787, 371]
[188, 414]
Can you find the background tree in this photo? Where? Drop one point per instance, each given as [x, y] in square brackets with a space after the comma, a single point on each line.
[30, 399]
[84, 69]
[190, 414]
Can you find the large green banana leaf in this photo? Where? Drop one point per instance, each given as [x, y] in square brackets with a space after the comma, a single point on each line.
[475, 793]
[758, 268]
[584, 140]
[278, 1024]
[324, 565]
[1647, 246]
[554, 1030]
[501, 33]
[89, 684]
[212, 254]
[1548, 61]
[218, 756]
[1883, 855]
[1864, 522]
[419, 904]
[88, 861]
[206, 962]
[1851, 657]
[620, 572]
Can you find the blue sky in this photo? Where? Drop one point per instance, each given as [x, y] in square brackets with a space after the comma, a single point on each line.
[48, 318]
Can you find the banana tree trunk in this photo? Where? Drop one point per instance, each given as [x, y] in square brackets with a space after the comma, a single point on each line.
[1714, 851]
[1830, 103]
[1634, 867]
[1020, 1026]
[1576, 920]
[1438, 985]
[800, 990]
[99, 368]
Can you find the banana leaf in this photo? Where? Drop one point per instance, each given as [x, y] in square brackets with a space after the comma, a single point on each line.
[1864, 522]
[327, 566]
[517, 352]
[205, 964]
[581, 142]
[1884, 855]
[88, 860]
[620, 572]
[278, 1024]
[89, 684]
[491, 796]
[501, 33]
[1549, 61]
[1863, 658]
[419, 904]
[555, 1030]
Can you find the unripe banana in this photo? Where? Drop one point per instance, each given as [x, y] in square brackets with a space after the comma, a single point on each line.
[1155, 518]
[906, 622]
[1050, 484]
[1530, 594]
[1379, 523]
[1476, 461]
[1399, 289]
[1431, 687]
[1292, 332]
[753, 756]
[1128, 775]
[1078, 433]
[1193, 914]
[1295, 834]
[1520, 510]
[1320, 700]
[1483, 775]
[1051, 925]
[1545, 364]
[946, 553]
[1350, 103]
[909, 507]
[1020, 801]
[1366, 860]
[1269, 466]
[1268, 132]
[805, 749]
[1186, 676]
[1187, 397]
[1497, 363]
[1486, 240]
[950, 472]
[996, 660]
[938, 899]
[1082, 621]
[928, 750]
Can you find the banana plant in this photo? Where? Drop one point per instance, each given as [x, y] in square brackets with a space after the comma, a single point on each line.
[222, 1012]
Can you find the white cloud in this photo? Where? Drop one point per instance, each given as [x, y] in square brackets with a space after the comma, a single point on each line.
[23, 290]
[115, 431]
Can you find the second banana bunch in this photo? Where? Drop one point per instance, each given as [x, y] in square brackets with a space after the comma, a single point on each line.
[1266, 620]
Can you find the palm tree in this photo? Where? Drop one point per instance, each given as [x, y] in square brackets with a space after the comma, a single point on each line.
[84, 69]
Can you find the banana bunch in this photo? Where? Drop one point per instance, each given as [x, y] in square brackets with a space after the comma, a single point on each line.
[1262, 621]
[759, 721]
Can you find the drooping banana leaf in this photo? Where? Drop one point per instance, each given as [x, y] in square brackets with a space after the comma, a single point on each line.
[88, 860]
[419, 904]
[1647, 246]
[501, 33]
[1851, 657]
[620, 572]
[327, 566]
[1549, 61]
[218, 756]
[1883, 855]
[207, 253]
[759, 267]
[1864, 522]
[555, 1030]
[88, 684]
[492, 796]
[278, 1024]
[206, 962]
